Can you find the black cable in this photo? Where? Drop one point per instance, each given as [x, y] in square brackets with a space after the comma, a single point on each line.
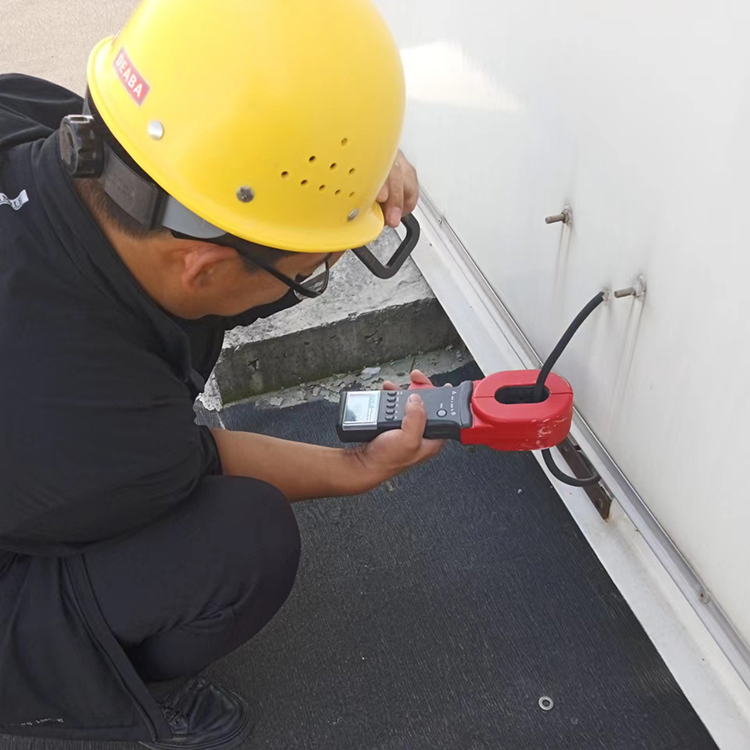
[558, 473]
[562, 343]
[542, 379]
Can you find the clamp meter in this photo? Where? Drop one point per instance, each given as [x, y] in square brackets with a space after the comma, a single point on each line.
[498, 411]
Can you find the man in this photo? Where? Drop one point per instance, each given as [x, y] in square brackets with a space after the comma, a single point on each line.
[227, 155]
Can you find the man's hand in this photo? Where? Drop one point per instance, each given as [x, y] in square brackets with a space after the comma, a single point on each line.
[318, 471]
[396, 450]
[400, 193]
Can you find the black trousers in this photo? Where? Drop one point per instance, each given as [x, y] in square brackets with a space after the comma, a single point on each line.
[193, 587]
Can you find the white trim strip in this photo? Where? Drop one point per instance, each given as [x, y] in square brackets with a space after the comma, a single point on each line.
[695, 638]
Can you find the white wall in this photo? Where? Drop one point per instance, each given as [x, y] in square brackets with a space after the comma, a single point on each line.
[638, 115]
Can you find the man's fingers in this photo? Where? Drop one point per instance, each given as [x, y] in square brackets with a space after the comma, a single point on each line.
[418, 377]
[414, 422]
[411, 187]
[432, 447]
[400, 194]
[389, 386]
[394, 207]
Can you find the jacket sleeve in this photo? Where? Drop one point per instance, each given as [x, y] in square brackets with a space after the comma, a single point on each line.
[111, 447]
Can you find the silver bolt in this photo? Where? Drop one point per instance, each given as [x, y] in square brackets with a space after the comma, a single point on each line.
[703, 596]
[565, 216]
[245, 194]
[546, 703]
[629, 292]
[638, 291]
[155, 130]
[353, 215]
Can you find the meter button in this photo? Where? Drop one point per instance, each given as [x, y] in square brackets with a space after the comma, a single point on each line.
[442, 413]
[390, 417]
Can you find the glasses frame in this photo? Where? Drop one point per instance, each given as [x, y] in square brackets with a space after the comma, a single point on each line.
[375, 266]
[300, 290]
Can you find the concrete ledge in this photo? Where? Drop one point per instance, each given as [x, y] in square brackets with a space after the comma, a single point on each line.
[359, 320]
[343, 346]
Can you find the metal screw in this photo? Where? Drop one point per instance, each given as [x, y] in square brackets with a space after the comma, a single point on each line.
[155, 130]
[546, 703]
[245, 194]
[629, 292]
[638, 291]
[704, 596]
[353, 215]
[565, 216]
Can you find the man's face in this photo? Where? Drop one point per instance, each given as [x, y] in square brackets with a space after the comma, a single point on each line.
[237, 289]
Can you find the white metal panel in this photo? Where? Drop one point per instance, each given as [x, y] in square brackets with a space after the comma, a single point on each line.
[700, 648]
[637, 115]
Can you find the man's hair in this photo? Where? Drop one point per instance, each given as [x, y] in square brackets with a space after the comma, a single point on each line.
[94, 196]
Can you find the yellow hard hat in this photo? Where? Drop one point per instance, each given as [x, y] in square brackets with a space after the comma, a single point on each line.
[276, 121]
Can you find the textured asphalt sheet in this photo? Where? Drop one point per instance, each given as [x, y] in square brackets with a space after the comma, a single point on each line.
[434, 612]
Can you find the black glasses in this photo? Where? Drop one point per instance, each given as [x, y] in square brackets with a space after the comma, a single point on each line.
[307, 287]
[316, 283]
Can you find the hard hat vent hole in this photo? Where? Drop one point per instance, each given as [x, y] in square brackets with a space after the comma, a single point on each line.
[312, 159]
[303, 183]
[322, 187]
[338, 192]
[285, 174]
[351, 195]
[344, 141]
[334, 165]
[352, 170]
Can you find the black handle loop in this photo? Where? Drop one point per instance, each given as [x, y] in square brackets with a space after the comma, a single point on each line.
[398, 259]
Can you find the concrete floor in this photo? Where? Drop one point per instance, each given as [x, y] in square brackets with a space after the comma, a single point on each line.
[52, 38]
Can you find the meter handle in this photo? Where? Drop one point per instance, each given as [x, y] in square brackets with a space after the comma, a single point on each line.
[398, 259]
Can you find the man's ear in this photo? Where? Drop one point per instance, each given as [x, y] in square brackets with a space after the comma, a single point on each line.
[201, 261]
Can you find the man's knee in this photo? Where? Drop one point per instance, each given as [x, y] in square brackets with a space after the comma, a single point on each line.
[279, 540]
[265, 542]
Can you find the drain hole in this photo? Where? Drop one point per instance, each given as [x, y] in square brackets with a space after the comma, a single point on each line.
[334, 165]
[312, 159]
[285, 174]
[322, 187]
[303, 183]
[338, 192]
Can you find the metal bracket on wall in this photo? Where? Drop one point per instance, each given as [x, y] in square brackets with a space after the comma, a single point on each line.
[565, 216]
[638, 290]
[576, 459]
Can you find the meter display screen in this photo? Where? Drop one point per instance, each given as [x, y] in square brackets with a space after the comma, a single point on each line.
[362, 407]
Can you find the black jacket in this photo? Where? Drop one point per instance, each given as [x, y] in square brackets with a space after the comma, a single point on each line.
[98, 436]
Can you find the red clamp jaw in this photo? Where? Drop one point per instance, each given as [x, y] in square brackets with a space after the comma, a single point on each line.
[505, 419]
